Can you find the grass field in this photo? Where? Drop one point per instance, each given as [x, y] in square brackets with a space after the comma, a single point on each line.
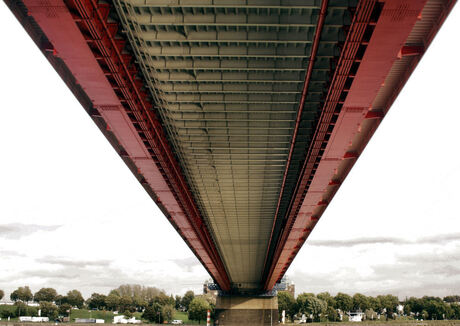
[183, 316]
[108, 316]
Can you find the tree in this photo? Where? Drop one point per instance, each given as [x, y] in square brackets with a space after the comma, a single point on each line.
[414, 305]
[301, 300]
[343, 302]
[177, 302]
[149, 314]
[45, 294]
[424, 314]
[115, 292]
[287, 303]
[360, 302]
[455, 311]
[2, 294]
[449, 298]
[64, 309]
[126, 303]
[325, 296]
[60, 299]
[49, 309]
[187, 299]
[198, 309]
[163, 299]
[389, 303]
[112, 301]
[435, 307]
[314, 306]
[96, 301]
[75, 299]
[332, 314]
[8, 311]
[139, 303]
[370, 314]
[153, 313]
[168, 312]
[375, 304]
[22, 293]
[21, 308]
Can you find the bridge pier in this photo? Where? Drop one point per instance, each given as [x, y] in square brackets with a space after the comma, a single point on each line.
[236, 310]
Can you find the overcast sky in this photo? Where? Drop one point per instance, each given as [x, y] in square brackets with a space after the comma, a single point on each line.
[73, 216]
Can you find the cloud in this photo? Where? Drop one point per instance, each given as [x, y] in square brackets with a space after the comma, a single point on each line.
[403, 281]
[186, 263]
[435, 239]
[426, 265]
[19, 230]
[357, 242]
[10, 254]
[66, 262]
[101, 279]
[440, 238]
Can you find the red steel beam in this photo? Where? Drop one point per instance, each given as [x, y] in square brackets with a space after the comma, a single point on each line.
[346, 127]
[81, 37]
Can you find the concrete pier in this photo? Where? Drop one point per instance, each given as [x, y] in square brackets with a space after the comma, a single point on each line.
[245, 311]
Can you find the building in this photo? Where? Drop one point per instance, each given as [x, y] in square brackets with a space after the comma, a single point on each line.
[209, 288]
[89, 321]
[356, 316]
[124, 320]
[286, 285]
[34, 319]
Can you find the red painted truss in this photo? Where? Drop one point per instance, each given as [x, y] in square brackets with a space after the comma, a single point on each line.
[349, 119]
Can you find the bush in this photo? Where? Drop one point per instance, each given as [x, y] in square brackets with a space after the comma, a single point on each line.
[24, 310]
[198, 309]
[153, 313]
[49, 310]
[8, 311]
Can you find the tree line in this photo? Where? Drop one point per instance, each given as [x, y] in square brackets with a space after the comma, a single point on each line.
[153, 304]
[325, 307]
[51, 304]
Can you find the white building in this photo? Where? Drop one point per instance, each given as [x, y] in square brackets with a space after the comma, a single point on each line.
[34, 319]
[356, 316]
[89, 321]
[123, 320]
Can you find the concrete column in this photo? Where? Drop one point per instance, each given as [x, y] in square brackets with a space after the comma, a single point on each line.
[246, 311]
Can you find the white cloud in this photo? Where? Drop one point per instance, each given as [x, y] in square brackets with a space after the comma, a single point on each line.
[19, 230]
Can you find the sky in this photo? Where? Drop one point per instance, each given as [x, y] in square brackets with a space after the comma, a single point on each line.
[72, 216]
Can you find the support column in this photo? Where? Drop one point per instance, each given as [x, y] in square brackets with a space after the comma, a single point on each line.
[245, 310]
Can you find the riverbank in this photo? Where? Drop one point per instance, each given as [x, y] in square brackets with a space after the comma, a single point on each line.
[374, 323]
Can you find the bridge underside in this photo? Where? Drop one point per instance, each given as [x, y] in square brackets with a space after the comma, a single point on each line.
[240, 118]
[228, 79]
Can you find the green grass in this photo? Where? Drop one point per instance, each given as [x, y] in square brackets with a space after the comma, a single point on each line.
[31, 311]
[184, 317]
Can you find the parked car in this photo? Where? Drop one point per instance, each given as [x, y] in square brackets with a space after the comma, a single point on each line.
[177, 322]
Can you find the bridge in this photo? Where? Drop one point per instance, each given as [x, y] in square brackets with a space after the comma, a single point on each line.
[240, 118]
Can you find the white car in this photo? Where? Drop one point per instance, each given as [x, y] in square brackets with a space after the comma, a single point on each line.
[177, 322]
